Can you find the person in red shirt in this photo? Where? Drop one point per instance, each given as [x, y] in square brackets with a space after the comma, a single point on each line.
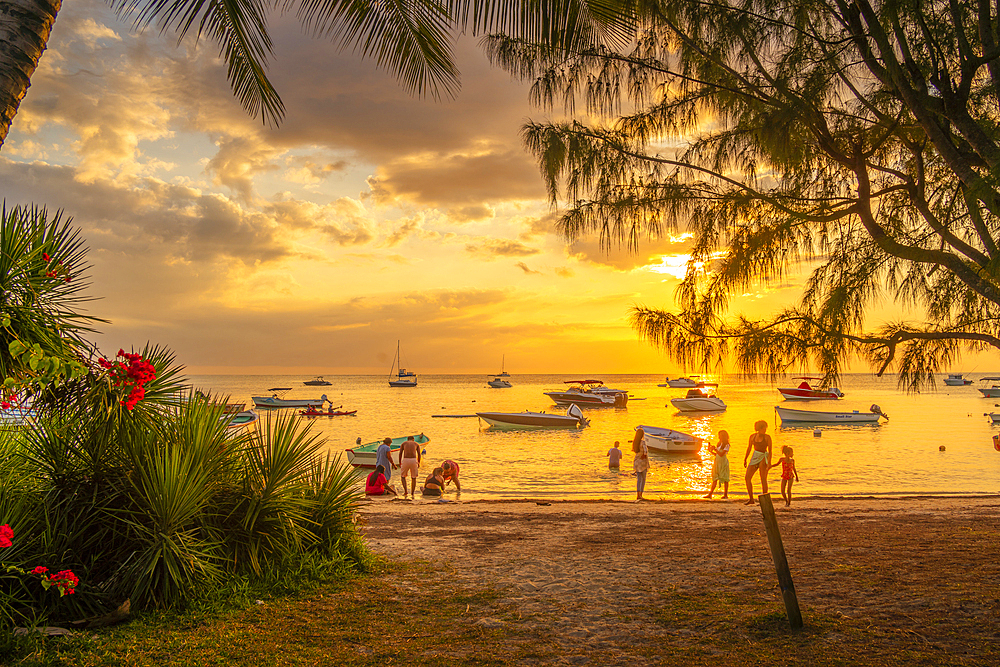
[450, 473]
[377, 484]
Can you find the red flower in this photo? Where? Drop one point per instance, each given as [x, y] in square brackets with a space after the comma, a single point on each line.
[5, 405]
[6, 535]
[41, 569]
[65, 581]
[46, 257]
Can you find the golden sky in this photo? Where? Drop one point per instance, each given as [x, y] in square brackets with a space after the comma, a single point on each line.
[368, 217]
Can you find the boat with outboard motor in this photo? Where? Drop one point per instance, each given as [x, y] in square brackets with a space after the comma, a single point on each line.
[364, 456]
[792, 415]
[805, 392]
[591, 393]
[572, 419]
[956, 380]
[698, 400]
[670, 441]
[276, 401]
[402, 378]
[318, 381]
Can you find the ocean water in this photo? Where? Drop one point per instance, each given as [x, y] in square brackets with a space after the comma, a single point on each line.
[897, 457]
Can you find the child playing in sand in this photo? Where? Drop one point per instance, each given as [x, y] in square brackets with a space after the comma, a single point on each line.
[614, 457]
[787, 472]
[720, 466]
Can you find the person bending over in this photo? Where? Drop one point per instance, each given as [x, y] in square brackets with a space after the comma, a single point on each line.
[434, 484]
[450, 473]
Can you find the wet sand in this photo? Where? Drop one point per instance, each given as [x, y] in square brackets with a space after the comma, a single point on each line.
[595, 579]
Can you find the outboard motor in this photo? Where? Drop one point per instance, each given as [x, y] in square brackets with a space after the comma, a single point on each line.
[621, 399]
[575, 411]
[877, 410]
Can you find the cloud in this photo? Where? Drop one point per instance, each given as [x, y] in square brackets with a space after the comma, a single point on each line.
[524, 267]
[491, 249]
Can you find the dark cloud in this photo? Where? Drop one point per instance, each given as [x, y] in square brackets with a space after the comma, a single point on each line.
[524, 267]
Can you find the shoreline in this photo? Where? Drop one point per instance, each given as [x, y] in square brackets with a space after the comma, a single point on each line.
[739, 499]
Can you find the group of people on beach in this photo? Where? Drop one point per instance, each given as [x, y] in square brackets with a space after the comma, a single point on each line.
[757, 460]
[410, 457]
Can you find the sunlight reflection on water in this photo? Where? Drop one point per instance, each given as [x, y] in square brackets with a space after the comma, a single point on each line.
[898, 457]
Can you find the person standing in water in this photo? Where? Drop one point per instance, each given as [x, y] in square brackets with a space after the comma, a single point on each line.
[383, 457]
[720, 466]
[641, 463]
[760, 445]
[614, 457]
[409, 463]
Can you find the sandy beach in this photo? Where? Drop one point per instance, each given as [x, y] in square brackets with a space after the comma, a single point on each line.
[613, 582]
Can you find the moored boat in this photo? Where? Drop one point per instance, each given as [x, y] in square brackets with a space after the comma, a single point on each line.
[698, 400]
[670, 441]
[814, 416]
[402, 377]
[330, 412]
[693, 382]
[956, 380]
[276, 401]
[244, 418]
[363, 456]
[591, 393]
[805, 392]
[500, 380]
[572, 419]
[992, 391]
[317, 381]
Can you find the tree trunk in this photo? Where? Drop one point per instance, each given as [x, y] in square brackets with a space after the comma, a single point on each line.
[24, 31]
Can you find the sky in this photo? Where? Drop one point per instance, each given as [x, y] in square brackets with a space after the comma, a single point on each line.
[370, 216]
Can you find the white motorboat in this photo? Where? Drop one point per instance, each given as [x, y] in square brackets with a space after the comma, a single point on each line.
[956, 380]
[500, 380]
[698, 400]
[591, 393]
[572, 419]
[670, 441]
[814, 416]
[402, 378]
[276, 401]
[992, 391]
[693, 382]
[364, 456]
[804, 392]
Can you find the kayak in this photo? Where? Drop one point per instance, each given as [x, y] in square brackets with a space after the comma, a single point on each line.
[311, 412]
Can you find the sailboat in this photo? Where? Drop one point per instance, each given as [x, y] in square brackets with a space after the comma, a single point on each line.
[402, 378]
[499, 380]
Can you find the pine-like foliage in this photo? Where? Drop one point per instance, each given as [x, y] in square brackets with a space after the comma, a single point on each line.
[857, 139]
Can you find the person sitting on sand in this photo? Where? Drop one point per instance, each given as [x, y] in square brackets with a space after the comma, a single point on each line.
[614, 457]
[760, 445]
[449, 470]
[434, 484]
[720, 466]
[377, 484]
[787, 471]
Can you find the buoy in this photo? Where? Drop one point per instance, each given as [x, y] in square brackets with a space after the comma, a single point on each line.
[817, 433]
[941, 448]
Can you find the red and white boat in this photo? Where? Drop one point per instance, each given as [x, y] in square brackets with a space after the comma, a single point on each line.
[804, 392]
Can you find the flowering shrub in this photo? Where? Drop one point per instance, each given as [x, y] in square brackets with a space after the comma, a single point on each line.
[56, 269]
[65, 581]
[132, 372]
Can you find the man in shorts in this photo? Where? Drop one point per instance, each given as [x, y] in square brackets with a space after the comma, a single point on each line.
[409, 462]
[450, 472]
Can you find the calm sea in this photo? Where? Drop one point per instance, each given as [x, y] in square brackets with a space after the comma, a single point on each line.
[898, 457]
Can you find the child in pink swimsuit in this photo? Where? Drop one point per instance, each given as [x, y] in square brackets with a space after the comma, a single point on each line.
[788, 471]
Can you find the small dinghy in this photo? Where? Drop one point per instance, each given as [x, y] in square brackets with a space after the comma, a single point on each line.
[363, 456]
[814, 416]
[276, 401]
[245, 418]
[572, 419]
[670, 441]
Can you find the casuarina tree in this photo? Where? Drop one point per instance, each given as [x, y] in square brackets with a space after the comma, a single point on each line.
[856, 141]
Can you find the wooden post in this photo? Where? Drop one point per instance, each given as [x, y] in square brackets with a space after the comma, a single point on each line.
[780, 561]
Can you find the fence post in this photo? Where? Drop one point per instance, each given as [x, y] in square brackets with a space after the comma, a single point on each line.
[780, 561]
